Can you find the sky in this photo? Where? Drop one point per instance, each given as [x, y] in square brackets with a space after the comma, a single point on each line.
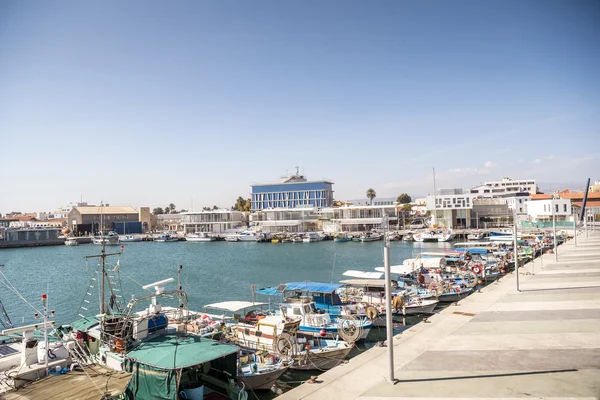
[146, 103]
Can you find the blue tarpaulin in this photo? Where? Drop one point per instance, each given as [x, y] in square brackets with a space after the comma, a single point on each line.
[313, 287]
[474, 250]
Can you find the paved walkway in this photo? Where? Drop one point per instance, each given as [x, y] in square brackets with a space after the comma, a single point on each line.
[542, 342]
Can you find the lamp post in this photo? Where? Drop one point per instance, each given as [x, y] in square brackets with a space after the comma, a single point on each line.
[554, 229]
[516, 250]
[388, 300]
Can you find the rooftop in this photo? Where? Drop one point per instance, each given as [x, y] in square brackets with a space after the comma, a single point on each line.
[93, 210]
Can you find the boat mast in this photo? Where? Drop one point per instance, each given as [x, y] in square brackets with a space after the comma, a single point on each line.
[434, 200]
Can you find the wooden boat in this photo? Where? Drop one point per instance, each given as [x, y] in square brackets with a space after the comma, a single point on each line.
[280, 334]
[71, 242]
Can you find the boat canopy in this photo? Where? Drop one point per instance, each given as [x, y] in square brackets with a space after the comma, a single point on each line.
[233, 306]
[398, 269]
[449, 253]
[176, 351]
[363, 274]
[378, 283]
[475, 250]
[475, 244]
[83, 324]
[431, 262]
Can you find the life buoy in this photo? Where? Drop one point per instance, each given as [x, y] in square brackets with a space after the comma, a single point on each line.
[477, 270]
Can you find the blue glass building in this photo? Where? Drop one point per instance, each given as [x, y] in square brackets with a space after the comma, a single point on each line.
[292, 192]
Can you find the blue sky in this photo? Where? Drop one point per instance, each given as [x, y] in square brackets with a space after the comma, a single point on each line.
[149, 102]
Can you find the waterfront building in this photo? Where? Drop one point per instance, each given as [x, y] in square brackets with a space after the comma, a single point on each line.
[27, 237]
[508, 185]
[490, 212]
[292, 192]
[544, 210]
[299, 219]
[168, 222]
[450, 208]
[383, 201]
[357, 218]
[123, 219]
[215, 221]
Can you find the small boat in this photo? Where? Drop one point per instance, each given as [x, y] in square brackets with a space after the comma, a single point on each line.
[275, 240]
[130, 238]
[110, 239]
[232, 238]
[200, 237]
[297, 239]
[311, 237]
[71, 242]
[408, 238]
[261, 369]
[369, 238]
[476, 236]
[342, 237]
[167, 237]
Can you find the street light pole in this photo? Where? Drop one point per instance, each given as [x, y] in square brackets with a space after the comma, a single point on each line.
[388, 300]
[554, 229]
[516, 250]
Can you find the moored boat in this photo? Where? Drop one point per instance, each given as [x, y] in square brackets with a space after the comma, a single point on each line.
[199, 237]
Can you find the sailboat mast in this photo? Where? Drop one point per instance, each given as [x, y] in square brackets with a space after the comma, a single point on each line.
[434, 200]
[103, 257]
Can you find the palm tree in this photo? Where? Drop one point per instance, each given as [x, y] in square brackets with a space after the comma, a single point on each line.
[371, 195]
[171, 207]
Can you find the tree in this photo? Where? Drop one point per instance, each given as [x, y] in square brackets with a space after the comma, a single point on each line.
[205, 208]
[406, 209]
[157, 211]
[248, 205]
[167, 210]
[371, 195]
[171, 208]
[404, 199]
[215, 208]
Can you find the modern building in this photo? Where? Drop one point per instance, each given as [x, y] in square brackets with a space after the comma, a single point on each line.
[357, 218]
[508, 185]
[91, 219]
[215, 221]
[490, 212]
[30, 237]
[292, 192]
[544, 210]
[168, 222]
[383, 201]
[450, 208]
[299, 219]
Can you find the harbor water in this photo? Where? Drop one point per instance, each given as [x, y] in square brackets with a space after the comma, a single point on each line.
[212, 272]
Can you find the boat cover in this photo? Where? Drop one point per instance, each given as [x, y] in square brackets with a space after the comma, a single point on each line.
[363, 274]
[474, 250]
[233, 306]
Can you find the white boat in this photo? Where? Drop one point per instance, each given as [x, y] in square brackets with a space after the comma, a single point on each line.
[434, 236]
[71, 242]
[248, 236]
[369, 238]
[130, 238]
[110, 239]
[408, 238]
[200, 237]
[311, 237]
[167, 237]
[476, 236]
[232, 238]
[445, 235]
[261, 371]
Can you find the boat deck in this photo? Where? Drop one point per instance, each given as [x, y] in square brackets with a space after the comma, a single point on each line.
[74, 385]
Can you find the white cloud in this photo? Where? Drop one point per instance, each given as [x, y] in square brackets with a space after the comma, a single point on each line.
[550, 157]
[536, 161]
[489, 164]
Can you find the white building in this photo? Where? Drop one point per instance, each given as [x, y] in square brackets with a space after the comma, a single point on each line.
[299, 219]
[450, 208]
[215, 221]
[518, 204]
[507, 185]
[543, 210]
[357, 218]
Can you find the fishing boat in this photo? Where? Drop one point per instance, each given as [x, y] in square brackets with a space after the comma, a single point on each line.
[130, 238]
[71, 242]
[110, 239]
[250, 236]
[167, 237]
[408, 238]
[297, 239]
[341, 237]
[425, 237]
[279, 334]
[261, 369]
[476, 236]
[310, 237]
[200, 237]
[232, 238]
[369, 237]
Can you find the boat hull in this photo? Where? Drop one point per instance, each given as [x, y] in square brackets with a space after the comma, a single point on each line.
[320, 360]
[262, 380]
[207, 239]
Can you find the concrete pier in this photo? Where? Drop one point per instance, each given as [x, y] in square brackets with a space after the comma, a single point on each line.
[541, 342]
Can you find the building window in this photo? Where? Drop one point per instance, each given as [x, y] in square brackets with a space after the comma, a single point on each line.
[556, 207]
[565, 208]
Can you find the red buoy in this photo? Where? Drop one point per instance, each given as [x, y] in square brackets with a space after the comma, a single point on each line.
[323, 332]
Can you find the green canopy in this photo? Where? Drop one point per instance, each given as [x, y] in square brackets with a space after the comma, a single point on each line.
[83, 324]
[176, 351]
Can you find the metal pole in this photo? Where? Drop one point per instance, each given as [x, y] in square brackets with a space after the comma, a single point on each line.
[575, 229]
[516, 255]
[45, 302]
[586, 230]
[554, 229]
[388, 302]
